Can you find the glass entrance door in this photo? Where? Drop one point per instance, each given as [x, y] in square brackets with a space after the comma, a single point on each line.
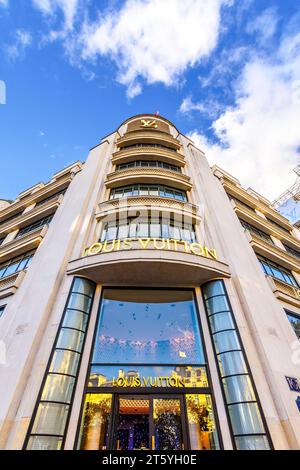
[167, 424]
[132, 423]
[149, 423]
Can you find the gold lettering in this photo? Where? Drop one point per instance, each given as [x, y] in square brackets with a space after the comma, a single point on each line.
[193, 248]
[106, 243]
[180, 381]
[137, 382]
[127, 243]
[120, 382]
[153, 382]
[168, 243]
[144, 242]
[210, 253]
[172, 382]
[149, 123]
[95, 249]
[146, 381]
[162, 247]
[158, 244]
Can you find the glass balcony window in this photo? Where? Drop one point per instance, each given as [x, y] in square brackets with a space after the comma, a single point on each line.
[148, 164]
[35, 226]
[148, 190]
[16, 264]
[148, 145]
[273, 269]
[151, 227]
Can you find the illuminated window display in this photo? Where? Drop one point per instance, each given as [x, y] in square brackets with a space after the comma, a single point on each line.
[148, 385]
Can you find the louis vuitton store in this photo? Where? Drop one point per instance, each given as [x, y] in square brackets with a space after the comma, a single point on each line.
[144, 321]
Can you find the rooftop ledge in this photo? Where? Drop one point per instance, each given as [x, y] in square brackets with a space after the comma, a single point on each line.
[149, 262]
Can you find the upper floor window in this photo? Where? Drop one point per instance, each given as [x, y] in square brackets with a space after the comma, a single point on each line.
[16, 264]
[295, 322]
[150, 145]
[154, 227]
[148, 164]
[148, 190]
[292, 251]
[2, 308]
[273, 269]
[278, 225]
[35, 225]
[46, 199]
[256, 231]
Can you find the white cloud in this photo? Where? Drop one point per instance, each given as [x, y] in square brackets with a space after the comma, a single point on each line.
[264, 25]
[51, 7]
[153, 40]
[259, 138]
[23, 39]
[4, 3]
[188, 106]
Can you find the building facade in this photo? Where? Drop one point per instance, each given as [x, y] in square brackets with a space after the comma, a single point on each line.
[148, 301]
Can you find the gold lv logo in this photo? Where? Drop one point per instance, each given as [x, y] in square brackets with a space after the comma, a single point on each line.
[146, 123]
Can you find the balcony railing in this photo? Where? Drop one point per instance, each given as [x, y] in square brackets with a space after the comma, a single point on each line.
[9, 284]
[149, 174]
[284, 291]
[149, 203]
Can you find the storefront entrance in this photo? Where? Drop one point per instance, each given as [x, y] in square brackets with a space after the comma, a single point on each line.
[148, 385]
[149, 423]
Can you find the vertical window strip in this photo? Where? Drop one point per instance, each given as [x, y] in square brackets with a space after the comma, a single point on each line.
[50, 419]
[245, 415]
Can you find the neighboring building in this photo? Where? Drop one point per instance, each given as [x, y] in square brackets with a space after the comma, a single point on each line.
[288, 204]
[148, 301]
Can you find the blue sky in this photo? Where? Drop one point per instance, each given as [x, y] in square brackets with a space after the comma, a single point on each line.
[226, 72]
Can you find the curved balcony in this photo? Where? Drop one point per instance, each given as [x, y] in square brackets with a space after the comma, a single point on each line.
[138, 204]
[136, 137]
[149, 262]
[126, 155]
[149, 175]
